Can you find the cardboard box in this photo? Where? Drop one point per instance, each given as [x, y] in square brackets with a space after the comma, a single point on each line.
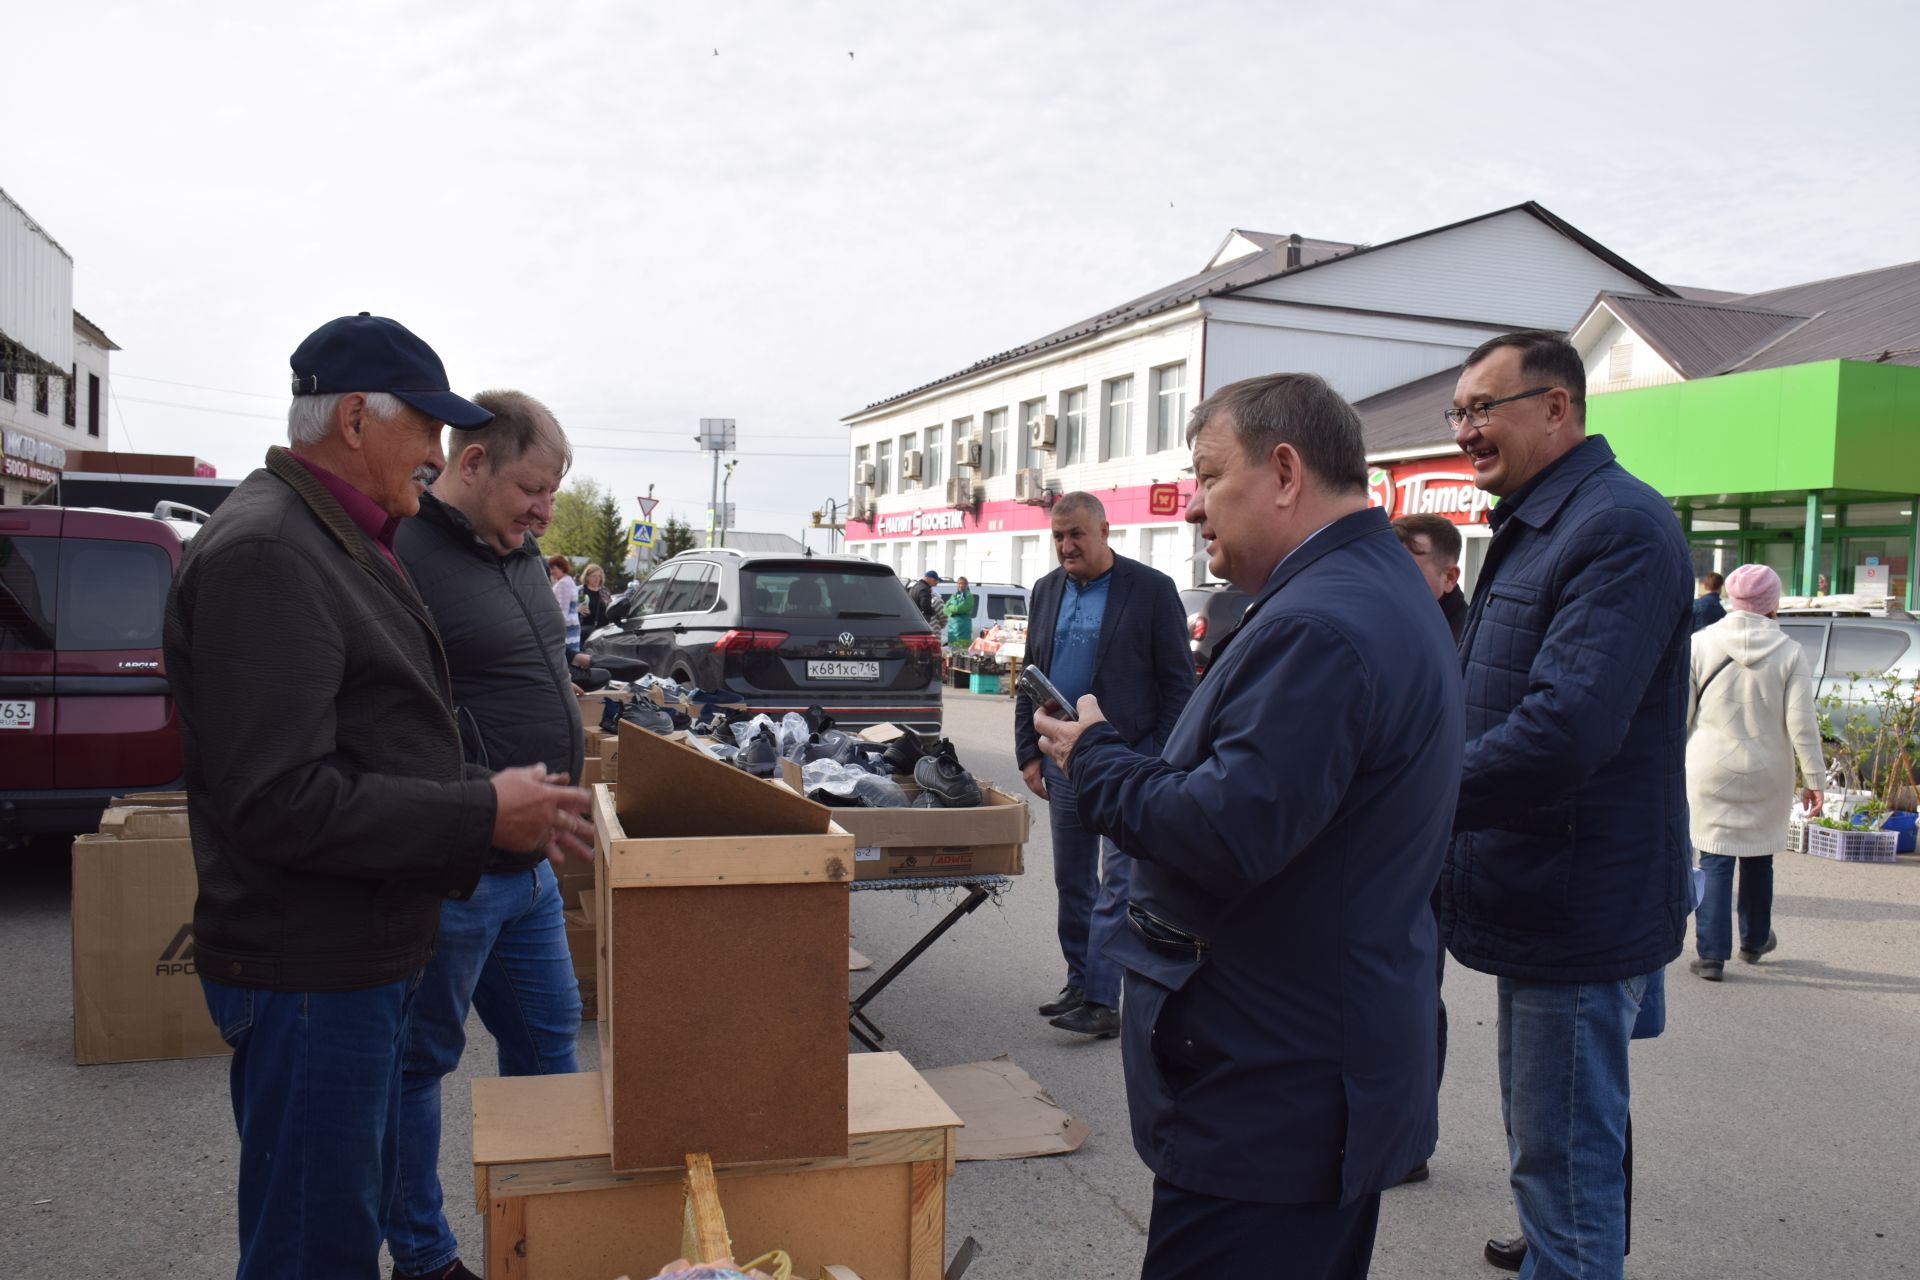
[136, 995]
[722, 979]
[896, 844]
[555, 1209]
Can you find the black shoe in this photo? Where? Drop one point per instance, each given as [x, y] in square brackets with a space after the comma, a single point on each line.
[1708, 969]
[1507, 1254]
[454, 1271]
[610, 716]
[761, 754]
[1069, 999]
[904, 752]
[1752, 956]
[818, 721]
[1095, 1020]
[830, 744]
[1416, 1174]
[649, 717]
[941, 774]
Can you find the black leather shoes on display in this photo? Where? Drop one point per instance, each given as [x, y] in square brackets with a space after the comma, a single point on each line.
[1753, 957]
[826, 745]
[761, 754]
[1708, 969]
[818, 721]
[1090, 1020]
[940, 772]
[1069, 999]
[904, 752]
[1507, 1254]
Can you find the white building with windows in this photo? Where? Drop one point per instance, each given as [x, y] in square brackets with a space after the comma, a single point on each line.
[957, 475]
[53, 361]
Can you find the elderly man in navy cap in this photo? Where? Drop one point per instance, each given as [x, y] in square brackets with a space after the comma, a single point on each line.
[330, 806]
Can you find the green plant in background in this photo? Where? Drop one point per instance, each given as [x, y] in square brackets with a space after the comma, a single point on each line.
[1875, 743]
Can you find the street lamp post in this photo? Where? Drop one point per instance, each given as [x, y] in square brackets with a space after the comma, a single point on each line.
[726, 508]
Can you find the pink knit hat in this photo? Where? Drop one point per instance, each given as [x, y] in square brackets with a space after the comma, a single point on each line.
[1753, 588]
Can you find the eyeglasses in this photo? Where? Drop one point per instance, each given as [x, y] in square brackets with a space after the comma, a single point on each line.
[1479, 414]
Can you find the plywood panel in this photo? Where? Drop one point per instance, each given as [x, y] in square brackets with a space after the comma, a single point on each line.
[858, 1217]
[728, 1023]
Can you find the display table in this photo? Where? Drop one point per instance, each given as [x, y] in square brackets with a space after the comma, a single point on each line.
[978, 889]
[555, 1209]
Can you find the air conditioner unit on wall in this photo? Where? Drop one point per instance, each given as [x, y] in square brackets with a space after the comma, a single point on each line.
[1040, 431]
[910, 465]
[859, 509]
[1027, 486]
[962, 492]
[966, 453]
[863, 474]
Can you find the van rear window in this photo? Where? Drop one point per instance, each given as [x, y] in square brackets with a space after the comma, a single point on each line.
[113, 595]
[29, 576]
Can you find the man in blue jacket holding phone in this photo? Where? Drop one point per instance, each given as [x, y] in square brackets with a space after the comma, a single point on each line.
[1279, 948]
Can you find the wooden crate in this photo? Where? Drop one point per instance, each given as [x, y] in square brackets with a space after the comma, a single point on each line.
[556, 1210]
[722, 909]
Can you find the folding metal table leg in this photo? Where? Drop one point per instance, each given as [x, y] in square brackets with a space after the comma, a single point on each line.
[856, 1008]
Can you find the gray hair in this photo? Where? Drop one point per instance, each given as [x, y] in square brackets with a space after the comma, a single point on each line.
[1299, 409]
[1082, 502]
[310, 418]
[519, 423]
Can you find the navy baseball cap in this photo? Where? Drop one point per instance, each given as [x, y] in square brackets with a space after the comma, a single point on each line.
[372, 353]
[931, 576]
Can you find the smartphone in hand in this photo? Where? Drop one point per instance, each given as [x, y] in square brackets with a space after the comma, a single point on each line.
[1041, 691]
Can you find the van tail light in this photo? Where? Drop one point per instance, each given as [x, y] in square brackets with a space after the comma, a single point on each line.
[738, 641]
[922, 642]
[1197, 623]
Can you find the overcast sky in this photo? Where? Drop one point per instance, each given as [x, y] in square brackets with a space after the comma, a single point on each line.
[647, 214]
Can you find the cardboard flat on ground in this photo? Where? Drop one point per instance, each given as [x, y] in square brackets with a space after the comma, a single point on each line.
[1008, 1115]
[893, 844]
[554, 1207]
[136, 994]
[723, 925]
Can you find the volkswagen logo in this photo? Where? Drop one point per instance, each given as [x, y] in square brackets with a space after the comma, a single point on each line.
[846, 638]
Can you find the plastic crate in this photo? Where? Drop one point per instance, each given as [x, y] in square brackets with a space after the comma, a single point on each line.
[1796, 833]
[1858, 845]
[984, 683]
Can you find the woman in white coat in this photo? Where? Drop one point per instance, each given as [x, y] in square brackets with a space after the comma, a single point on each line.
[1750, 714]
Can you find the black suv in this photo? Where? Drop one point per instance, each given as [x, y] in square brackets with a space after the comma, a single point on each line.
[1212, 612]
[784, 633]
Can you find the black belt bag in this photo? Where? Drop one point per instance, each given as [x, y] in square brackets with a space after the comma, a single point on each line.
[1165, 939]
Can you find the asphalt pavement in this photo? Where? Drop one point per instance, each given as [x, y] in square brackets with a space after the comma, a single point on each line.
[1775, 1127]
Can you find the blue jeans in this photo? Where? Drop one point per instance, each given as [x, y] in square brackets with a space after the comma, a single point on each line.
[1564, 1095]
[503, 952]
[315, 1080]
[1093, 879]
[1713, 925]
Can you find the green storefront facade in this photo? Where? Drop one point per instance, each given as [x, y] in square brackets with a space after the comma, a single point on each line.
[1813, 469]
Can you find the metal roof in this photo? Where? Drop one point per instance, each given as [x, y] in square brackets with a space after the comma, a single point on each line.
[1700, 339]
[1288, 256]
[1869, 315]
[1409, 416]
[94, 332]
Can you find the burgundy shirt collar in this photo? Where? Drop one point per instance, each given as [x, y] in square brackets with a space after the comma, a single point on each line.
[360, 509]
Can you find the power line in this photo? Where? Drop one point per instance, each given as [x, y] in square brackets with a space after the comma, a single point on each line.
[200, 408]
[114, 396]
[255, 395]
[225, 391]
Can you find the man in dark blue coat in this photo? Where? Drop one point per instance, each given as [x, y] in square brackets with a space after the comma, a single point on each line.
[1279, 954]
[1106, 625]
[1567, 879]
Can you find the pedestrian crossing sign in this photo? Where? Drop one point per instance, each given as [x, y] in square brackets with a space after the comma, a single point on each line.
[640, 534]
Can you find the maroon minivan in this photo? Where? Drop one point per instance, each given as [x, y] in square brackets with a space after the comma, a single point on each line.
[85, 711]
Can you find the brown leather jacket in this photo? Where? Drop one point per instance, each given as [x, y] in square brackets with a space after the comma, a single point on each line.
[330, 808]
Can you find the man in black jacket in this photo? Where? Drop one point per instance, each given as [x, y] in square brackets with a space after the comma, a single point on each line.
[1104, 624]
[504, 950]
[330, 806]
